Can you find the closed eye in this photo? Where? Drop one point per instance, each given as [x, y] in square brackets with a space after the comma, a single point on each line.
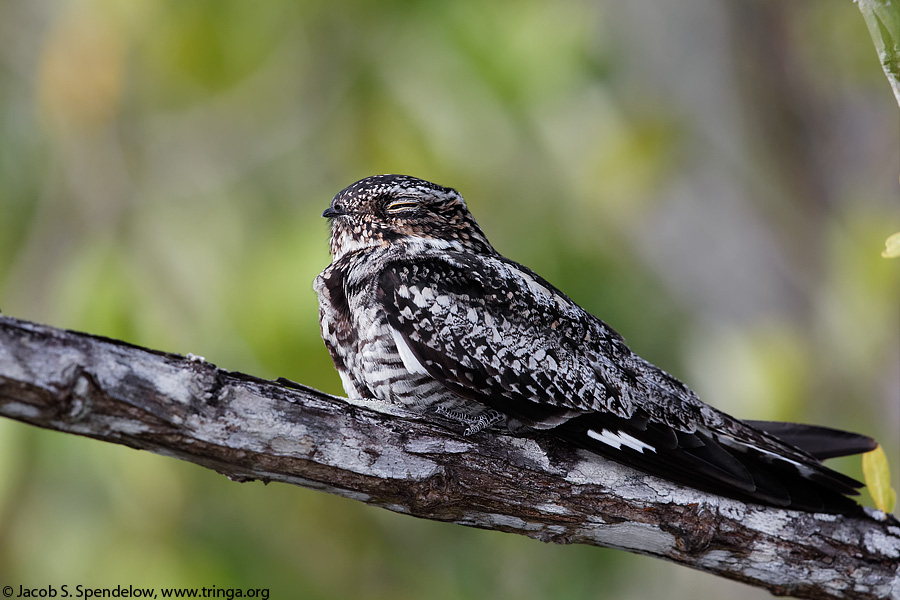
[400, 206]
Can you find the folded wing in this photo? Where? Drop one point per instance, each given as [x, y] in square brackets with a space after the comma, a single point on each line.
[494, 332]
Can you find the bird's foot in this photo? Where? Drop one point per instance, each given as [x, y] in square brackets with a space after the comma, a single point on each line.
[473, 423]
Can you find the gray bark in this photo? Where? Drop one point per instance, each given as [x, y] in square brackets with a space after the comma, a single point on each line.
[248, 428]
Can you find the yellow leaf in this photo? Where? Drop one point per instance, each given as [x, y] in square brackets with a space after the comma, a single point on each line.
[878, 479]
[893, 246]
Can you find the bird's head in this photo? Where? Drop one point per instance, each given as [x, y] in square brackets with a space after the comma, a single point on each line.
[387, 209]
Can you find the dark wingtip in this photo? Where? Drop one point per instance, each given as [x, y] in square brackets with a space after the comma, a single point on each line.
[820, 442]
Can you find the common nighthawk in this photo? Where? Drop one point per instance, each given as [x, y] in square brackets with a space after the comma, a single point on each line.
[418, 309]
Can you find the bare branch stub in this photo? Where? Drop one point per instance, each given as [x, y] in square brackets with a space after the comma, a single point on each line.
[248, 428]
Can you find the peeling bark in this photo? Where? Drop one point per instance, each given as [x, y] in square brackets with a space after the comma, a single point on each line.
[248, 428]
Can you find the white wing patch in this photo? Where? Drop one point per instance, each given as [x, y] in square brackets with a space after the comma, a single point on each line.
[617, 439]
[409, 359]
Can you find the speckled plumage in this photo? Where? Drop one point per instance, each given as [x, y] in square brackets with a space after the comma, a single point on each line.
[417, 308]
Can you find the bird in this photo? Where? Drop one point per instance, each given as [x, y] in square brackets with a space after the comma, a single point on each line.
[418, 309]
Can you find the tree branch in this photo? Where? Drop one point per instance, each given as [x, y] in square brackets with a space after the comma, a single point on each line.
[247, 428]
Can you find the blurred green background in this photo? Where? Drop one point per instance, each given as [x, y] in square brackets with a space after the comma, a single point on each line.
[713, 178]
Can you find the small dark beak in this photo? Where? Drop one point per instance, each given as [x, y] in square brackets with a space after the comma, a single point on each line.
[334, 211]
